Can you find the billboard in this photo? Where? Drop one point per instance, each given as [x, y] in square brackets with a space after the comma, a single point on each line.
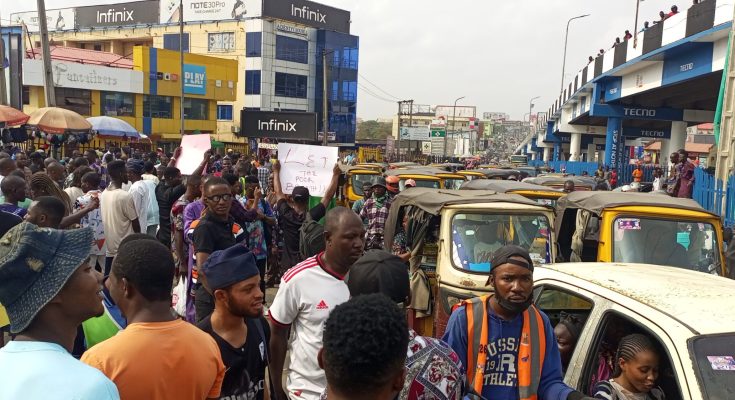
[84, 76]
[460, 112]
[118, 14]
[56, 20]
[195, 79]
[278, 125]
[209, 10]
[308, 13]
[414, 132]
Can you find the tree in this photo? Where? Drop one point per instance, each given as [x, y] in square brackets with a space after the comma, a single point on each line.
[374, 130]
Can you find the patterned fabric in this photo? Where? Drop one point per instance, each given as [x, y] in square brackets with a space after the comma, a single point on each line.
[263, 174]
[376, 217]
[177, 222]
[92, 220]
[256, 230]
[433, 370]
[400, 243]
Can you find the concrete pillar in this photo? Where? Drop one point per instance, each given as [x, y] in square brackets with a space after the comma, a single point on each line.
[547, 154]
[678, 138]
[600, 156]
[614, 142]
[591, 150]
[575, 147]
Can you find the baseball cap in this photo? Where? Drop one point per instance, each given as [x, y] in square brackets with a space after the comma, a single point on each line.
[226, 267]
[300, 193]
[378, 271]
[410, 182]
[35, 264]
[379, 181]
[503, 256]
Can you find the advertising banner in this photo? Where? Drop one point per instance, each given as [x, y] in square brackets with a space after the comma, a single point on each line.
[278, 125]
[308, 13]
[414, 132]
[117, 14]
[84, 76]
[459, 111]
[195, 79]
[56, 20]
[308, 166]
[209, 10]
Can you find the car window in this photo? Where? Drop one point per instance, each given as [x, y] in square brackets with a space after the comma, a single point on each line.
[358, 180]
[715, 361]
[568, 313]
[600, 363]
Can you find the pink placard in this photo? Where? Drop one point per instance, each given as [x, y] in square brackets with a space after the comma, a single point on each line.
[192, 152]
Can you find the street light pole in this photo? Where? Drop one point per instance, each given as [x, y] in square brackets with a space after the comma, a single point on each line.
[454, 122]
[530, 111]
[566, 39]
[635, 27]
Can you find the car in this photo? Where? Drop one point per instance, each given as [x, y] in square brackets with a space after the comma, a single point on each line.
[688, 314]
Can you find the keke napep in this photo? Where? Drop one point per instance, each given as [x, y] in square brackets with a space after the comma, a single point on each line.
[452, 235]
[639, 228]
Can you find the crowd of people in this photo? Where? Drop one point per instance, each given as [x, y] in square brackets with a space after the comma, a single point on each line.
[90, 254]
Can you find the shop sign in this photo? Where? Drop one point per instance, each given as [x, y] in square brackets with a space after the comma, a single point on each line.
[84, 76]
[308, 13]
[278, 125]
[118, 14]
[195, 79]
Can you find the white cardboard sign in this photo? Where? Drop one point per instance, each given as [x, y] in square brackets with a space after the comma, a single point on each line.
[193, 148]
[308, 166]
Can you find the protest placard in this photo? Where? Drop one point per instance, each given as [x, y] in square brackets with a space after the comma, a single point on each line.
[308, 166]
[192, 152]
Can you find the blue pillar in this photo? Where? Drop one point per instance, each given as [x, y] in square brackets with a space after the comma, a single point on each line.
[557, 151]
[614, 143]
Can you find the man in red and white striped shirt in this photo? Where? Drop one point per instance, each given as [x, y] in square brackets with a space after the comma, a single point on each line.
[307, 294]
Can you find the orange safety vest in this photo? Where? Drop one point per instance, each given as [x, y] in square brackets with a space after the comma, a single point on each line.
[531, 353]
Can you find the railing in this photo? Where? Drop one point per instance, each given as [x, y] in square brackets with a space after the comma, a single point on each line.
[711, 194]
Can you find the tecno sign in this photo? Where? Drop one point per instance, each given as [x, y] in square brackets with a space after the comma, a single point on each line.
[639, 112]
[119, 14]
[278, 125]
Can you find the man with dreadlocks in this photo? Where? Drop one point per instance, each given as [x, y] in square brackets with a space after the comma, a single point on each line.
[635, 374]
[508, 344]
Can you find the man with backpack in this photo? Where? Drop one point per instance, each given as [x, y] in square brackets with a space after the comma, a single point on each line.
[293, 213]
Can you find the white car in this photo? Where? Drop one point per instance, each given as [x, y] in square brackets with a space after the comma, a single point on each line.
[690, 314]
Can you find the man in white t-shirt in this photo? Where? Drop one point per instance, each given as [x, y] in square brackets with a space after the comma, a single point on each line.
[119, 216]
[307, 294]
[139, 191]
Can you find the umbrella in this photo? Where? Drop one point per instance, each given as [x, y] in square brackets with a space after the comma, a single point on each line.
[58, 120]
[9, 116]
[109, 126]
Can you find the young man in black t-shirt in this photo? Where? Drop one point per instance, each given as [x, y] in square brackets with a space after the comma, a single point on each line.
[216, 230]
[292, 216]
[237, 324]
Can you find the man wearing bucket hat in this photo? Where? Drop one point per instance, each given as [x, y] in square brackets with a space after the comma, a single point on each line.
[517, 339]
[237, 323]
[375, 211]
[48, 289]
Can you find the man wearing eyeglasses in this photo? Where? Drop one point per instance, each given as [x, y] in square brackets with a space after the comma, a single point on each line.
[216, 230]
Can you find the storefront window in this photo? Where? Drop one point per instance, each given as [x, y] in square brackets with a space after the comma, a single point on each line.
[292, 49]
[77, 100]
[253, 42]
[290, 85]
[252, 82]
[196, 108]
[156, 106]
[117, 104]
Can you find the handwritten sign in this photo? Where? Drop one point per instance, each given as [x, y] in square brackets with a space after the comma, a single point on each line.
[192, 152]
[308, 166]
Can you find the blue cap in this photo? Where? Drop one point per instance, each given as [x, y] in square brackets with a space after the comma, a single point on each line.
[226, 267]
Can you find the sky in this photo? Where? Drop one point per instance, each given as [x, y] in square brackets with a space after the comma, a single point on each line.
[498, 54]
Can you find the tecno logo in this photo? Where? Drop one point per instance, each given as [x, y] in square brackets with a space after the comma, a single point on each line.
[306, 13]
[639, 112]
[654, 134]
[112, 15]
[275, 125]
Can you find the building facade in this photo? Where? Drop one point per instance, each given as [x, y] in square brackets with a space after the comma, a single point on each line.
[277, 47]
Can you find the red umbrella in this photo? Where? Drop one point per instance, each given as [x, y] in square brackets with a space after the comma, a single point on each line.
[9, 116]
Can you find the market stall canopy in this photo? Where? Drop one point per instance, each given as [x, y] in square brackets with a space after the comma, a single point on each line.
[9, 116]
[58, 120]
[110, 126]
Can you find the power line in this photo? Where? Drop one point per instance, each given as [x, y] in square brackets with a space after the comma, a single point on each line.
[376, 86]
[377, 96]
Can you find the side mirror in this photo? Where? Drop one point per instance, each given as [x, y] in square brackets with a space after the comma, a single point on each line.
[727, 234]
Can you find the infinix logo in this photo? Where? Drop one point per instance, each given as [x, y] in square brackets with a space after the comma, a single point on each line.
[115, 16]
[305, 13]
[274, 125]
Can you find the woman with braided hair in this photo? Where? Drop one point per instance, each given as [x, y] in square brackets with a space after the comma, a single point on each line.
[635, 374]
[43, 185]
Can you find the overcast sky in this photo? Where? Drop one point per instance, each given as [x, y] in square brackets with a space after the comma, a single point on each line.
[498, 54]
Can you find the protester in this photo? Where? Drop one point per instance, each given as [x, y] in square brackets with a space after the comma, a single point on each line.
[216, 230]
[93, 220]
[14, 192]
[292, 214]
[150, 172]
[56, 172]
[46, 301]
[21, 161]
[307, 294]
[42, 185]
[7, 165]
[505, 373]
[263, 171]
[375, 211]
[686, 175]
[139, 191]
[356, 365]
[46, 212]
[155, 344]
[74, 190]
[119, 216]
[635, 374]
[392, 185]
[258, 230]
[367, 193]
[237, 324]
[658, 179]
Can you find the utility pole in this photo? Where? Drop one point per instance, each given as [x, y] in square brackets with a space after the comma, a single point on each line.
[181, 63]
[635, 26]
[454, 125]
[410, 124]
[325, 99]
[48, 78]
[3, 88]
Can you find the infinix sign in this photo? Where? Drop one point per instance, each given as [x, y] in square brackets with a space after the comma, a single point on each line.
[278, 125]
[120, 14]
[308, 13]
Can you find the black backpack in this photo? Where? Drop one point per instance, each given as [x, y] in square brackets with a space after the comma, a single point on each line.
[311, 238]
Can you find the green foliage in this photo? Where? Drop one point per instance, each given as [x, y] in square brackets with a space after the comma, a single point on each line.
[373, 130]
